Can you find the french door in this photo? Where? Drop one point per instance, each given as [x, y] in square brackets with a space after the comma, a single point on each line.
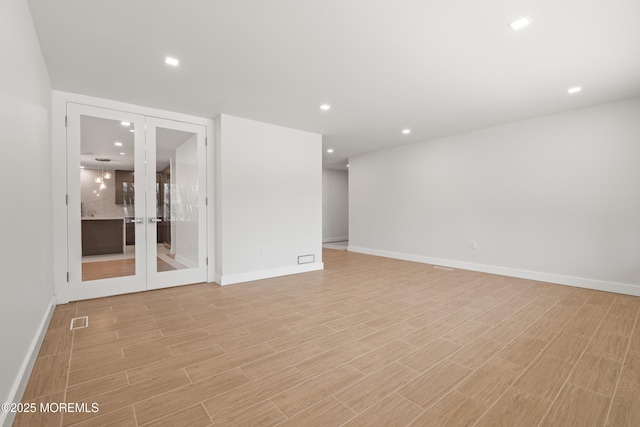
[136, 202]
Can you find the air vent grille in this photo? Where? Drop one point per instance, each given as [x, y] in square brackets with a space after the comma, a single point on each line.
[79, 322]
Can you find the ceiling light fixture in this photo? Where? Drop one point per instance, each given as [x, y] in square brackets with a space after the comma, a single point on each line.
[330, 150]
[573, 90]
[125, 123]
[122, 154]
[118, 144]
[406, 131]
[520, 23]
[171, 61]
[325, 107]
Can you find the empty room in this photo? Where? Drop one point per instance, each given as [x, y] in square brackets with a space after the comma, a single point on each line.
[336, 213]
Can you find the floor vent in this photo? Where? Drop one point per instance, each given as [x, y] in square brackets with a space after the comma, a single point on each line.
[442, 268]
[79, 322]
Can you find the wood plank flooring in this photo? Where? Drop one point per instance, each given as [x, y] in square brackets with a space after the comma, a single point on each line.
[117, 268]
[368, 341]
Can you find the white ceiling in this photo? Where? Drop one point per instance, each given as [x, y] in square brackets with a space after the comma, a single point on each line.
[438, 67]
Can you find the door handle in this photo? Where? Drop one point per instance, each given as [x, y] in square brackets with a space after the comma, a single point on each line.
[153, 220]
[137, 220]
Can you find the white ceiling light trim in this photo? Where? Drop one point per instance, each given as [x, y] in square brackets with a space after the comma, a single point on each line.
[325, 107]
[406, 131]
[520, 23]
[330, 150]
[574, 89]
[171, 61]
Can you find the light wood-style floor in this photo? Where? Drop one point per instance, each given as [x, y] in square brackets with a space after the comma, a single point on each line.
[117, 268]
[367, 342]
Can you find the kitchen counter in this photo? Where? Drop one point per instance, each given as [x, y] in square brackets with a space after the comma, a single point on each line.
[102, 236]
[107, 218]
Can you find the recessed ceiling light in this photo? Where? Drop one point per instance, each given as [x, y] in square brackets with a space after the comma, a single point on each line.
[575, 89]
[125, 123]
[406, 131]
[330, 150]
[347, 165]
[520, 23]
[81, 167]
[118, 144]
[131, 130]
[122, 154]
[325, 107]
[171, 61]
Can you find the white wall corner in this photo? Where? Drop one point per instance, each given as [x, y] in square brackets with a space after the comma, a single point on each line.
[20, 384]
[217, 278]
[265, 220]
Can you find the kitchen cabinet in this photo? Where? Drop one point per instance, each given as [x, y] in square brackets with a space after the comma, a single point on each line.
[124, 187]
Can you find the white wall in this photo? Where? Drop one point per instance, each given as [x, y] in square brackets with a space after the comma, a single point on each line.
[185, 191]
[102, 203]
[269, 200]
[553, 198]
[26, 250]
[335, 205]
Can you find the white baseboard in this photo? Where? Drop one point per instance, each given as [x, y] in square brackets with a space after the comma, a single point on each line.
[186, 262]
[231, 279]
[580, 282]
[335, 239]
[6, 419]
[217, 278]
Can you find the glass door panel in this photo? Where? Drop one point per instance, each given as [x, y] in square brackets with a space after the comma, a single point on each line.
[107, 212]
[176, 234]
[107, 237]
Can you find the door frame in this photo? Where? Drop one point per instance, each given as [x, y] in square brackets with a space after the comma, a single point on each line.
[59, 177]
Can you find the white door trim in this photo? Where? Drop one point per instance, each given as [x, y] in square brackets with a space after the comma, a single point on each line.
[59, 176]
